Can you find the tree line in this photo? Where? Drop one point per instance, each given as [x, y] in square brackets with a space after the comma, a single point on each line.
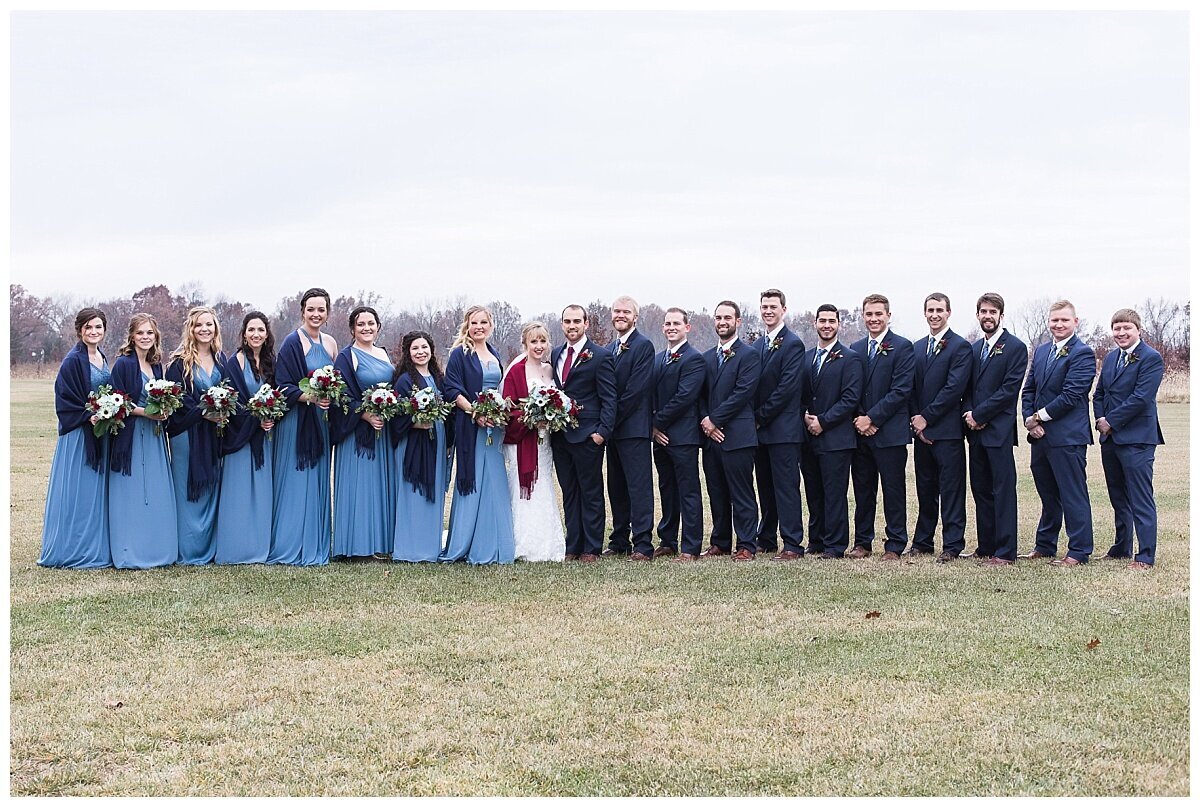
[42, 328]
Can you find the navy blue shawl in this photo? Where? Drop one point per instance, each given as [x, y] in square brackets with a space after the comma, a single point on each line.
[290, 367]
[127, 377]
[341, 425]
[204, 447]
[420, 453]
[71, 390]
[464, 376]
[243, 427]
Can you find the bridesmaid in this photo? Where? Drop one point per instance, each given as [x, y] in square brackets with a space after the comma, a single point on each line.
[422, 465]
[75, 526]
[481, 526]
[142, 528]
[243, 533]
[300, 514]
[363, 509]
[195, 446]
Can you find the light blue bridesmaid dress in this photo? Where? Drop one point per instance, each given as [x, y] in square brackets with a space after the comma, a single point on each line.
[75, 525]
[363, 505]
[198, 519]
[142, 529]
[243, 533]
[418, 528]
[481, 526]
[300, 515]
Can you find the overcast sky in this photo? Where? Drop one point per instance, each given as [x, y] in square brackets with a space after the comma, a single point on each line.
[545, 158]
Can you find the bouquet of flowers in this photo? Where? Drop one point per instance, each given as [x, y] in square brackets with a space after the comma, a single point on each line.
[380, 400]
[111, 407]
[164, 397]
[268, 404]
[549, 408]
[492, 405]
[326, 384]
[219, 400]
[425, 405]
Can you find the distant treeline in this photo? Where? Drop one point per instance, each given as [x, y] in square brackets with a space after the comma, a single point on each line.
[42, 328]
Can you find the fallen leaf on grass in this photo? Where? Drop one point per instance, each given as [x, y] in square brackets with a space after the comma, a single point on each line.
[999, 591]
[1093, 644]
[1115, 611]
[872, 615]
[113, 704]
[387, 572]
[289, 613]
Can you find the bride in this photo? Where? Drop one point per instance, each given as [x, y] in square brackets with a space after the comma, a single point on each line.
[537, 522]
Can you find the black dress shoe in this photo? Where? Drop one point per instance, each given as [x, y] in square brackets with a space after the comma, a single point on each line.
[611, 553]
[663, 552]
[946, 557]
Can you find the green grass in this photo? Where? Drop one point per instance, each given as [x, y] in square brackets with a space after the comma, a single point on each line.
[615, 679]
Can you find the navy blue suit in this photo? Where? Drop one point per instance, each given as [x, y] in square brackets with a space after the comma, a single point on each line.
[779, 413]
[678, 385]
[578, 461]
[939, 384]
[630, 481]
[728, 401]
[881, 459]
[1060, 385]
[832, 394]
[996, 376]
[1125, 397]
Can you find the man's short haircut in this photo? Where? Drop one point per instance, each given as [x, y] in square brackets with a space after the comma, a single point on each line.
[774, 293]
[737, 311]
[877, 298]
[1127, 315]
[1059, 305]
[829, 307]
[937, 295]
[574, 305]
[632, 303]
[991, 298]
[680, 312]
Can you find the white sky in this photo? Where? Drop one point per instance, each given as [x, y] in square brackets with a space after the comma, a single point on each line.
[547, 158]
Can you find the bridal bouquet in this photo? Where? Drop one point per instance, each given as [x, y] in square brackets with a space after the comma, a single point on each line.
[492, 405]
[326, 384]
[164, 397]
[219, 400]
[425, 406]
[268, 404]
[110, 407]
[549, 408]
[380, 400]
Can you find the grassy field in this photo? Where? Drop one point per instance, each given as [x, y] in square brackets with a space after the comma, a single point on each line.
[613, 679]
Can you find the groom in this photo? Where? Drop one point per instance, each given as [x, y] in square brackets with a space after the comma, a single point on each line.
[587, 373]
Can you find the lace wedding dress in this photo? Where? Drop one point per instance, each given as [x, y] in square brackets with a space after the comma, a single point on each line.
[537, 522]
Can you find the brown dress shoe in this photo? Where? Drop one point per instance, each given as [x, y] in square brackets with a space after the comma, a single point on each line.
[946, 557]
[743, 554]
[1140, 564]
[995, 562]
[787, 554]
[1067, 561]
[637, 557]
[588, 557]
[685, 557]
[859, 552]
[1034, 555]
[714, 552]
[570, 556]
[890, 556]
[611, 553]
[664, 552]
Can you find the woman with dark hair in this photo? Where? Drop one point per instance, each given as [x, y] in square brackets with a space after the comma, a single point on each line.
[75, 526]
[195, 445]
[422, 465]
[300, 515]
[141, 499]
[362, 467]
[243, 533]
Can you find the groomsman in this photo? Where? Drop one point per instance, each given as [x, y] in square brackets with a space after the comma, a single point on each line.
[1127, 419]
[942, 363]
[727, 420]
[779, 415]
[831, 396]
[881, 455]
[584, 371]
[630, 482]
[678, 384]
[998, 365]
[1054, 404]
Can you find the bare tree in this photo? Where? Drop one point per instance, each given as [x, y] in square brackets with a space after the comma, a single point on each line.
[1028, 321]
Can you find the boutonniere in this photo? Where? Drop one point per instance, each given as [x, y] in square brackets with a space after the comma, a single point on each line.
[997, 349]
[622, 347]
[941, 344]
[584, 355]
[727, 353]
[833, 356]
[672, 358]
[884, 349]
[466, 349]
[1131, 358]
[1062, 352]
[776, 343]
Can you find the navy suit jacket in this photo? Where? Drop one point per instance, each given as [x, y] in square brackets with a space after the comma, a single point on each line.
[995, 387]
[1061, 388]
[678, 386]
[592, 383]
[887, 385]
[778, 410]
[833, 396]
[728, 400]
[635, 375]
[1127, 398]
[939, 384]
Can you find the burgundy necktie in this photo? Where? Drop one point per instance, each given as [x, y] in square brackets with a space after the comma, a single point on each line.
[567, 364]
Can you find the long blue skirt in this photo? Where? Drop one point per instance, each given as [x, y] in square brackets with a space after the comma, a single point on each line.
[75, 525]
[481, 525]
[142, 529]
[418, 526]
[243, 533]
[300, 513]
[197, 520]
[363, 505]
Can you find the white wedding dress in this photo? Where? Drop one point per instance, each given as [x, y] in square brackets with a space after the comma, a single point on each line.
[537, 522]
